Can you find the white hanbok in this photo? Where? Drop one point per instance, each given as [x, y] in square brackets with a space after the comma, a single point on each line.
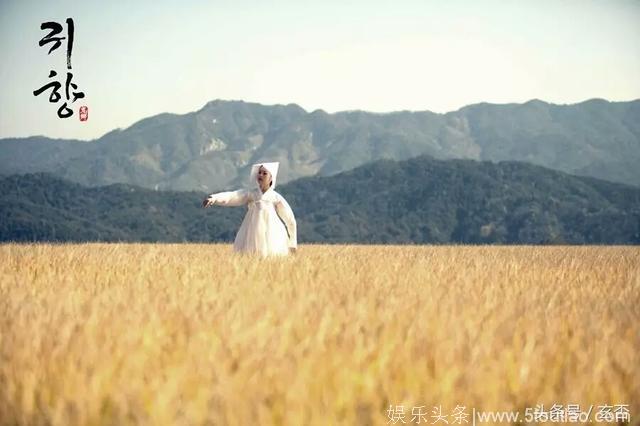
[269, 227]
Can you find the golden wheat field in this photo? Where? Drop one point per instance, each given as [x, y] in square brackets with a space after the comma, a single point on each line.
[189, 334]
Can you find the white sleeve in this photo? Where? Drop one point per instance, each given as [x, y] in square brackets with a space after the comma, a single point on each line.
[286, 214]
[230, 198]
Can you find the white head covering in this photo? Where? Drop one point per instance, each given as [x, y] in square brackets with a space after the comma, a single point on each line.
[273, 169]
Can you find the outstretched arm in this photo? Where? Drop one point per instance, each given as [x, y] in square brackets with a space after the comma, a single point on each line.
[286, 214]
[228, 198]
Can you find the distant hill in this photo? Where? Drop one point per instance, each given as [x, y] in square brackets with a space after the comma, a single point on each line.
[421, 200]
[212, 148]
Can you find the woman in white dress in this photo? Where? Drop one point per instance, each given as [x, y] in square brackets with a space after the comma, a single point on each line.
[269, 227]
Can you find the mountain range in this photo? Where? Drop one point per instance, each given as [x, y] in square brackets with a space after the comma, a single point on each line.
[420, 200]
[213, 148]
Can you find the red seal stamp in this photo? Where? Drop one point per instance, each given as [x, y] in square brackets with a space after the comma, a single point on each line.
[84, 113]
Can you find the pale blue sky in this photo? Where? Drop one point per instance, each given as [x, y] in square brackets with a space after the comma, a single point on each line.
[134, 59]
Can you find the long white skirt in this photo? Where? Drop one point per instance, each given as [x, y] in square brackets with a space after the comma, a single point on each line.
[262, 232]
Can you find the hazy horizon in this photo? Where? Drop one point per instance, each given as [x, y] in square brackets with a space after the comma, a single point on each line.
[138, 60]
[311, 110]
